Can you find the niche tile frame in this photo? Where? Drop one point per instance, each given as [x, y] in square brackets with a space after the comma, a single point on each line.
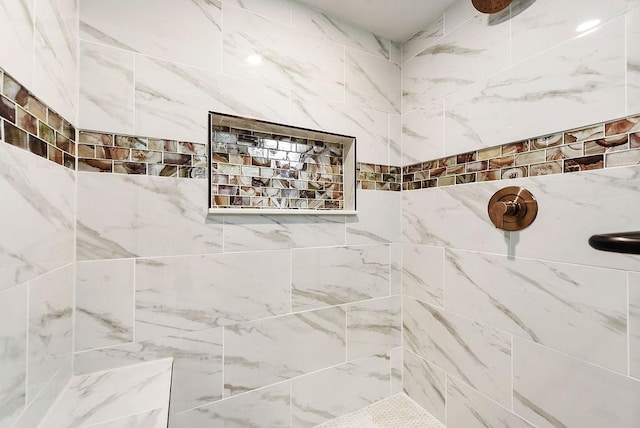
[259, 167]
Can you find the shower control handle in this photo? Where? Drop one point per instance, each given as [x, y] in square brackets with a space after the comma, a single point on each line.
[512, 208]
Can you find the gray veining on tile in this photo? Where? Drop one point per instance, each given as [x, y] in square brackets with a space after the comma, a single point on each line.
[13, 353]
[423, 39]
[423, 273]
[123, 216]
[373, 327]
[475, 353]
[180, 294]
[372, 82]
[378, 219]
[634, 325]
[468, 408]
[242, 233]
[197, 364]
[172, 99]
[323, 25]
[331, 276]
[129, 26]
[104, 303]
[423, 133]
[287, 58]
[102, 396]
[50, 327]
[156, 418]
[279, 10]
[395, 359]
[37, 216]
[424, 384]
[566, 307]
[17, 17]
[551, 389]
[260, 353]
[267, 407]
[106, 89]
[336, 391]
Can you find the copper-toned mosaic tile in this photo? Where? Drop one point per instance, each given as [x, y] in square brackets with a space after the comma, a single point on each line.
[545, 168]
[626, 158]
[621, 126]
[514, 172]
[585, 163]
[31, 125]
[584, 134]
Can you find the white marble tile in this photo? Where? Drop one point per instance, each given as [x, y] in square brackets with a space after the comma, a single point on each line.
[467, 55]
[633, 61]
[259, 49]
[395, 140]
[250, 233]
[123, 216]
[572, 78]
[546, 23]
[13, 353]
[395, 52]
[634, 325]
[266, 407]
[180, 294]
[172, 101]
[395, 261]
[423, 39]
[369, 127]
[106, 88]
[323, 25]
[468, 350]
[378, 219]
[197, 364]
[553, 389]
[36, 223]
[50, 327]
[372, 82]
[188, 33]
[373, 327]
[46, 398]
[102, 396]
[468, 408]
[16, 31]
[104, 303]
[55, 68]
[632, 5]
[457, 14]
[423, 273]
[424, 384]
[156, 418]
[423, 133]
[260, 353]
[277, 10]
[331, 276]
[395, 357]
[330, 393]
[579, 310]
[453, 217]
[579, 205]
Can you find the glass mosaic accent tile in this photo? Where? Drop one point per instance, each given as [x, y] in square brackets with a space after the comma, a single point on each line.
[609, 144]
[28, 123]
[262, 165]
[123, 154]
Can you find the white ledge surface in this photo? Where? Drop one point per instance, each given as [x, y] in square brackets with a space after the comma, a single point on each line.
[258, 211]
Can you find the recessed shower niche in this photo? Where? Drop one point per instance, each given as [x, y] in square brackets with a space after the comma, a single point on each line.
[268, 168]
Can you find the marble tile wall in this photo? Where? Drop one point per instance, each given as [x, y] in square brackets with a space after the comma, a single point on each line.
[529, 328]
[237, 301]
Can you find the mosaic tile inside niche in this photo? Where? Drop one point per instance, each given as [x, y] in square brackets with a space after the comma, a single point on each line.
[256, 169]
[28, 123]
[125, 154]
[604, 145]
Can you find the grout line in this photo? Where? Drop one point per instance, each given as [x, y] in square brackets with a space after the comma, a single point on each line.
[224, 350]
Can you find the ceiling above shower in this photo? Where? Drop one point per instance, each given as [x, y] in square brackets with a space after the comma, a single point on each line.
[395, 19]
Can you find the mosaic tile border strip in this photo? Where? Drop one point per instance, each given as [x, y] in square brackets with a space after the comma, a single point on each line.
[28, 123]
[605, 145]
[125, 154]
[379, 177]
[257, 165]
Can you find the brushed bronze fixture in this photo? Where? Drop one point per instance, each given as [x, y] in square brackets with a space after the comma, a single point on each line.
[490, 6]
[512, 208]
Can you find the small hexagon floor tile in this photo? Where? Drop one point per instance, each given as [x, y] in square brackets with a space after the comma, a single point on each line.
[398, 411]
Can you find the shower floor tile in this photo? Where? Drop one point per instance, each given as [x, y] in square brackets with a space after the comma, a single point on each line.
[398, 411]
